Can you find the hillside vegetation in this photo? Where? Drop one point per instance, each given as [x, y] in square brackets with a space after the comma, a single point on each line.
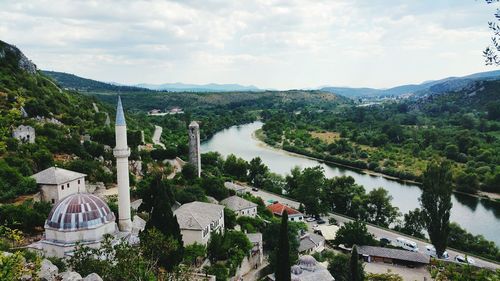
[400, 138]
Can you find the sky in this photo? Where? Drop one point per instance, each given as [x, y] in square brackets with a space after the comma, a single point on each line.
[278, 44]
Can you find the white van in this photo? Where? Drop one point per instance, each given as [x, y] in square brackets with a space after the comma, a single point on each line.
[431, 251]
[406, 244]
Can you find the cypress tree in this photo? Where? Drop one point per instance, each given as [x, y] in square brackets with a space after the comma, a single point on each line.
[162, 218]
[436, 203]
[354, 265]
[283, 255]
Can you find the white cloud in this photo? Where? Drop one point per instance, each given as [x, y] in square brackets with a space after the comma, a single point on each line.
[279, 44]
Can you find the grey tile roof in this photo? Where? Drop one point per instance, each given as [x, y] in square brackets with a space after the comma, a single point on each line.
[197, 215]
[55, 175]
[310, 241]
[393, 254]
[234, 186]
[237, 203]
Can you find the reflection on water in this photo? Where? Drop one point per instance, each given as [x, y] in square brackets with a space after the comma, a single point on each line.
[475, 215]
[469, 201]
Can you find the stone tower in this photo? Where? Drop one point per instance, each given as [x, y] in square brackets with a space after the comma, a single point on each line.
[194, 146]
[121, 153]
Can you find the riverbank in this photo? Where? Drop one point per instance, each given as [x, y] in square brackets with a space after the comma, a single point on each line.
[260, 136]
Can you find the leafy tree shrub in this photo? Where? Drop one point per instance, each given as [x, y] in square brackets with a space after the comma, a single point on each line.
[354, 233]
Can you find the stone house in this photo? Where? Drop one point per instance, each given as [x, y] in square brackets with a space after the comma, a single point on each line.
[57, 183]
[240, 206]
[197, 220]
[311, 243]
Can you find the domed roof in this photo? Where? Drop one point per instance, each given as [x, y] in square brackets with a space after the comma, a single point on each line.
[79, 211]
[307, 262]
[296, 270]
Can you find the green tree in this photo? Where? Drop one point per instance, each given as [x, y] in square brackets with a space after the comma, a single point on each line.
[379, 208]
[283, 262]
[122, 262]
[236, 167]
[354, 233]
[189, 171]
[256, 168]
[413, 223]
[214, 246]
[467, 182]
[229, 218]
[161, 248]
[157, 204]
[339, 266]
[436, 203]
[344, 196]
[354, 265]
[192, 252]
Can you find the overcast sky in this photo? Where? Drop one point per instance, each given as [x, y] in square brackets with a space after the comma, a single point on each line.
[280, 44]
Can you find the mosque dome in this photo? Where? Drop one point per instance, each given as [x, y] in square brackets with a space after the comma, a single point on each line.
[296, 270]
[79, 211]
[308, 262]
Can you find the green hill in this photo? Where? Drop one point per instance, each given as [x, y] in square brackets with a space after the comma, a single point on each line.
[73, 82]
[60, 119]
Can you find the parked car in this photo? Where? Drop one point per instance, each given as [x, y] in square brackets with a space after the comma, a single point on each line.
[320, 221]
[255, 189]
[385, 241]
[431, 251]
[310, 219]
[406, 244]
[461, 259]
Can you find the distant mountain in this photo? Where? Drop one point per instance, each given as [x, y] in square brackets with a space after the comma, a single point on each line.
[181, 87]
[428, 87]
[73, 82]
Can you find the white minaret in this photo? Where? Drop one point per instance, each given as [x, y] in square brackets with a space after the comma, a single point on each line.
[122, 152]
[194, 146]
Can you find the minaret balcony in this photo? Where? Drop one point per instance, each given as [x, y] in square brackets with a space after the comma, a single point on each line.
[121, 152]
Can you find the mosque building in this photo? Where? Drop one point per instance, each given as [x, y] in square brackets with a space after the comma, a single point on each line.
[84, 218]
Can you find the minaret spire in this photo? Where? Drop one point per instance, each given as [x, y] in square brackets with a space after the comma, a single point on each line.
[121, 153]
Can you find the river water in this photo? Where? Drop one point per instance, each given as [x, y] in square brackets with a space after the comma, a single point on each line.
[478, 216]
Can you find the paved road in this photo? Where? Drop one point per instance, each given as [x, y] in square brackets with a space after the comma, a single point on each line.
[157, 136]
[376, 231]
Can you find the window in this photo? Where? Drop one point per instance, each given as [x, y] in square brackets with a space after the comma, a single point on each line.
[53, 201]
[78, 181]
[62, 187]
[67, 185]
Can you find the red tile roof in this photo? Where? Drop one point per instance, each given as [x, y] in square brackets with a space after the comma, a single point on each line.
[278, 208]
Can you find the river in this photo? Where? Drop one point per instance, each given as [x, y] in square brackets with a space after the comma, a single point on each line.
[478, 216]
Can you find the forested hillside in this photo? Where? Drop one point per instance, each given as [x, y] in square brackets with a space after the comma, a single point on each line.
[60, 119]
[400, 138]
[73, 82]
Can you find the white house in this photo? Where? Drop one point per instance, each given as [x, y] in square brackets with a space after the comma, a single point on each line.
[197, 220]
[240, 206]
[56, 183]
[293, 215]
